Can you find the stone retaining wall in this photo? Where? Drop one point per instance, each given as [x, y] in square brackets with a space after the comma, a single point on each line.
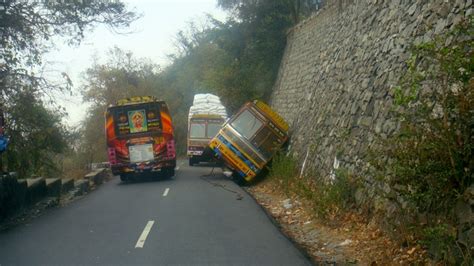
[338, 72]
[335, 89]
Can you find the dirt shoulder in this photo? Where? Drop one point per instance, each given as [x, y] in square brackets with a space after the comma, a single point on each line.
[337, 240]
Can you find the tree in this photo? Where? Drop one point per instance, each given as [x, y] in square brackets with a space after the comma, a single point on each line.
[121, 77]
[35, 133]
[26, 28]
[248, 9]
[237, 59]
[255, 37]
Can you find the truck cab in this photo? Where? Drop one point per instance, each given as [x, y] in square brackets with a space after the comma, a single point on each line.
[202, 128]
[249, 140]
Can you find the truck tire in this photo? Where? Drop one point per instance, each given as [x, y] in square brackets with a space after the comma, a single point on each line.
[238, 179]
[124, 177]
[168, 172]
[191, 161]
[171, 173]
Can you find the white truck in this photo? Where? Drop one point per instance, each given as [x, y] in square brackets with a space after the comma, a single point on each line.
[206, 116]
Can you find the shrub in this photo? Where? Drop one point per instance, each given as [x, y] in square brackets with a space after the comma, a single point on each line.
[328, 197]
[440, 240]
[431, 160]
[284, 169]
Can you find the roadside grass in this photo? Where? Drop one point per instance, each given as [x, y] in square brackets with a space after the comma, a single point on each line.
[324, 220]
[328, 198]
[331, 202]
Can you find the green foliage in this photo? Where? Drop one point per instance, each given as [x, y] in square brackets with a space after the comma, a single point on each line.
[440, 240]
[412, 82]
[284, 169]
[29, 25]
[431, 160]
[33, 119]
[260, 30]
[295, 10]
[336, 196]
[432, 156]
[328, 198]
[237, 59]
[35, 133]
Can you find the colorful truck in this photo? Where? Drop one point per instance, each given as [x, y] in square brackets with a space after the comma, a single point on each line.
[140, 137]
[249, 140]
[206, 117]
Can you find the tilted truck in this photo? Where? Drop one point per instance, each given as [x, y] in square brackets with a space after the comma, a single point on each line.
[206, 116]
[249, 140]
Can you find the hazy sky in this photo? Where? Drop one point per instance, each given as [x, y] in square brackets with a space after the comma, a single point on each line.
[153, 38]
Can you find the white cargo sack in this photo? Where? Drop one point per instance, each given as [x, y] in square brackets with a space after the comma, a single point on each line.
[207, 104]
[206, 98]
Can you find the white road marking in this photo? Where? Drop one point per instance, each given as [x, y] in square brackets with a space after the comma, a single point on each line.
[177, 168]
[144, 235]
[166, 192]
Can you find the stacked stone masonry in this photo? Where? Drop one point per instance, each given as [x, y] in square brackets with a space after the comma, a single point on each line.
[337, 75]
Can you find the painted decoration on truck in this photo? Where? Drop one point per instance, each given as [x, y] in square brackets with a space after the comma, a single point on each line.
[166, 120]
[137, 121]
[153, 120]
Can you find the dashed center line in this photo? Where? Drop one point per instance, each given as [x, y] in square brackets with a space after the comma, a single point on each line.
[144, 235]
[166, 192]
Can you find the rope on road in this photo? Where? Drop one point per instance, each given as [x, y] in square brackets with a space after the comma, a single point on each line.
[203, 177]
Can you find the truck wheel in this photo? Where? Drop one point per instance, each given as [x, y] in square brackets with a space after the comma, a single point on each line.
[124, 178]
[191, 161]
[168, 172]
[238, 179]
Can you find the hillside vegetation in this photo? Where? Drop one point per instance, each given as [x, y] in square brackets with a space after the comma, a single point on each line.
[428, 163]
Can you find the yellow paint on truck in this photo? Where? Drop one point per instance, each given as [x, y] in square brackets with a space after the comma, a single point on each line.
[259, 129]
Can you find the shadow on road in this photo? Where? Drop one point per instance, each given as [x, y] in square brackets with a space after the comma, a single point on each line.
[146, 178]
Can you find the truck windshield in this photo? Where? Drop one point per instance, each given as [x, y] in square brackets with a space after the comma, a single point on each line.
[197, 130]
[247, 124]
[212, 129]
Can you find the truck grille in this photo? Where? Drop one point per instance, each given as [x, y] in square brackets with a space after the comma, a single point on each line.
[243, 145]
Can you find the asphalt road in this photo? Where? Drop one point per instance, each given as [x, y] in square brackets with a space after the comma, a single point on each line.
[189, 220]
